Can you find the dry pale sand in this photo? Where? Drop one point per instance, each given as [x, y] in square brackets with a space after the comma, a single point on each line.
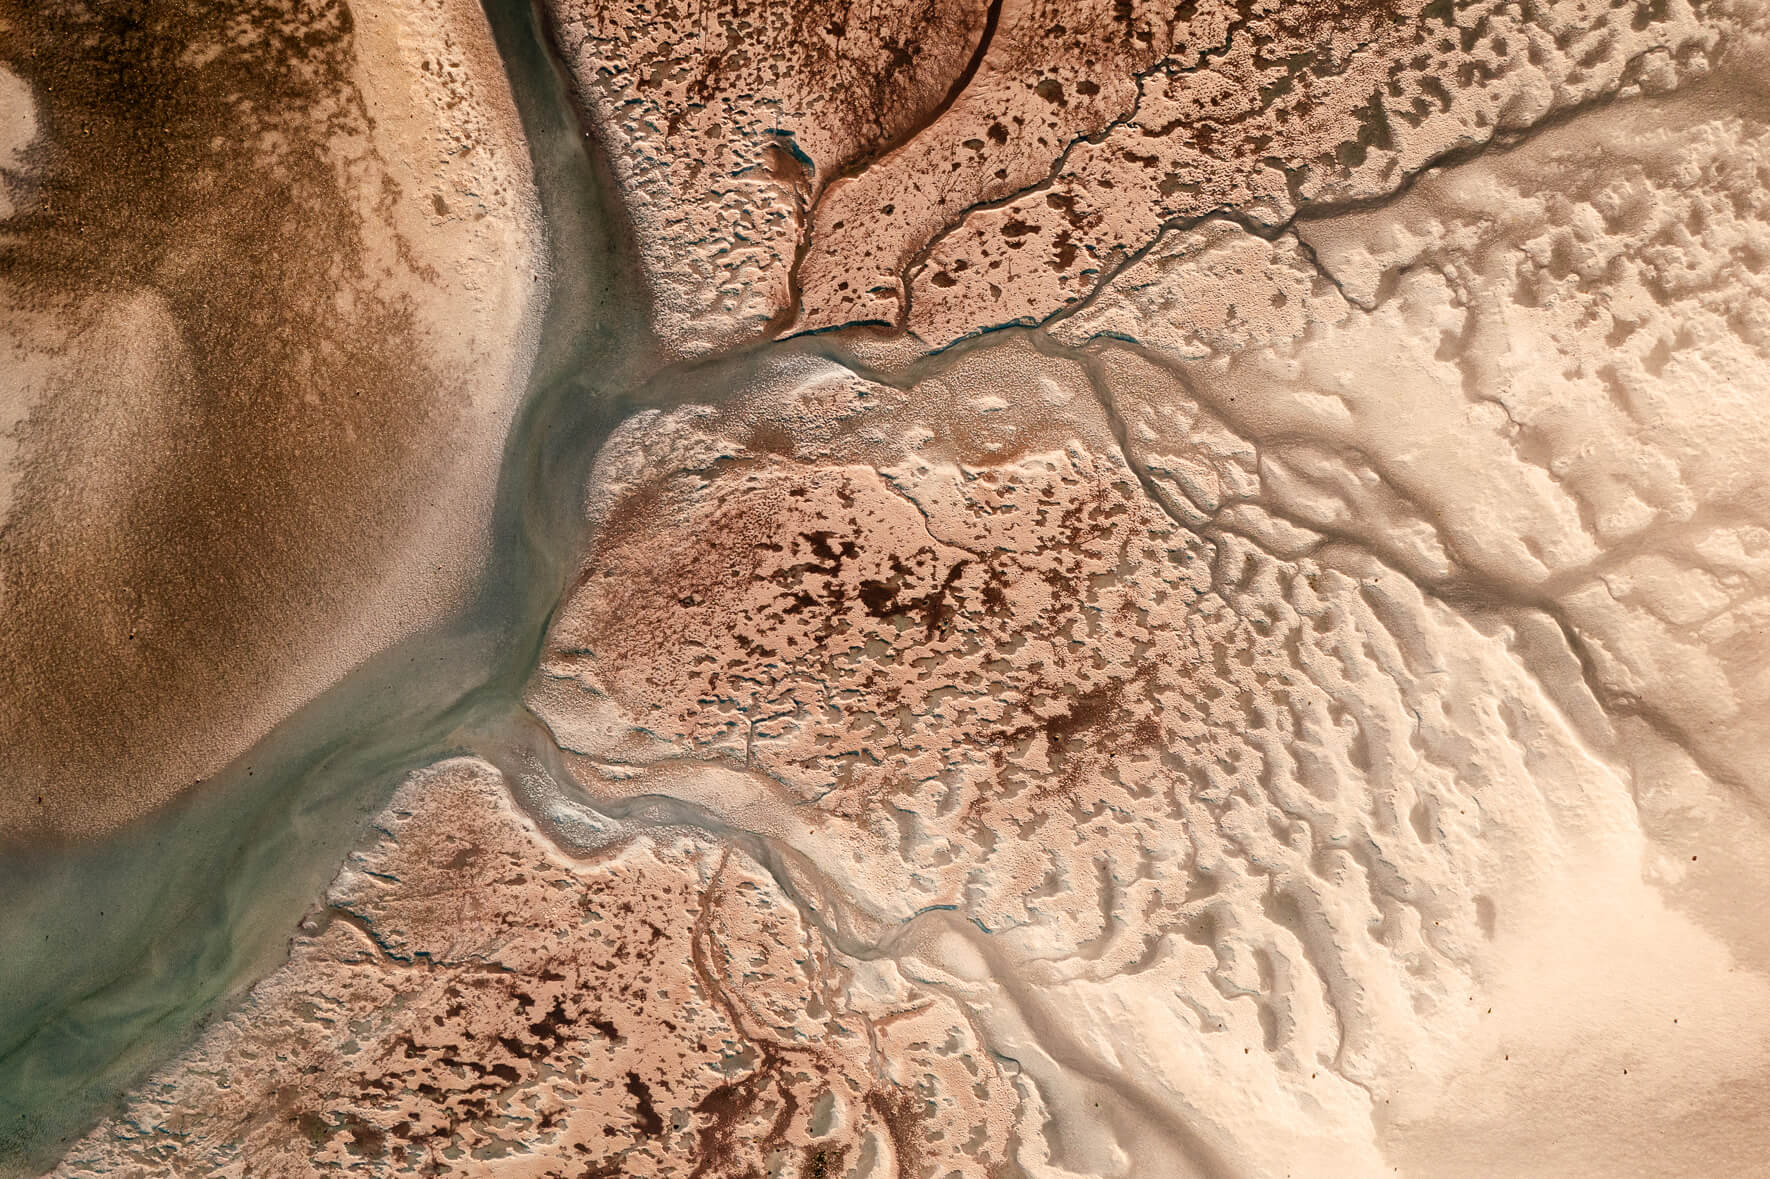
[1237, 652]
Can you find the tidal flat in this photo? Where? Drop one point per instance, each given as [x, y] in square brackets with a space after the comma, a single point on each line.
[985, 589]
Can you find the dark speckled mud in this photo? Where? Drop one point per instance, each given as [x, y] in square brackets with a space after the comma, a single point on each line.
[244, 425]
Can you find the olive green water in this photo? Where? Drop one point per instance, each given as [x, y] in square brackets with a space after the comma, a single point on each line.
[112, 955]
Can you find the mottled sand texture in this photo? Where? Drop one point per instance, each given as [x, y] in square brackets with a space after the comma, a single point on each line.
[469, 999]
[269, 275]
[1194, 603]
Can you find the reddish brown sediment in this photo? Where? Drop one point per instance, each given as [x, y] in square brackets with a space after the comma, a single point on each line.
[267, 281]
[1264, 820]
[470, 1001]
[728, 123]
[1258, 114]
[1297, 709]
[789, 172]
[1298, 109]
[1181, 824]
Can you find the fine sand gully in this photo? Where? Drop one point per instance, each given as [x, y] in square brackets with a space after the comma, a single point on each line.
[1178, 591]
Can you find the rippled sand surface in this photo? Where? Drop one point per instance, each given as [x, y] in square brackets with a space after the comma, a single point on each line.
[885, 589]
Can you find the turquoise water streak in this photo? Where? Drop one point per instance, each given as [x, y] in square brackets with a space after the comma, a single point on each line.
[112, 954]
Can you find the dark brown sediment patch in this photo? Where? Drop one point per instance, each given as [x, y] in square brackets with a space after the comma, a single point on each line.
[233, 412]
